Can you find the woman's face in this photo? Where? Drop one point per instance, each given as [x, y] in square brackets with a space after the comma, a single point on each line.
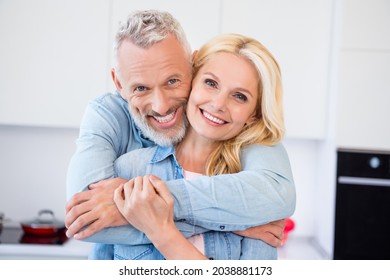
[223, 97]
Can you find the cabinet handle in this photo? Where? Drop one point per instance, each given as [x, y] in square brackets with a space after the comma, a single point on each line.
[363, 181]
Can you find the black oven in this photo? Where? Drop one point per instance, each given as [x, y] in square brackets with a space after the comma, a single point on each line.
[362, 216]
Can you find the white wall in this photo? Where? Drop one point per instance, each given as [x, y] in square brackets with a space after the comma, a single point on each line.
[33, 165]
[304, 163]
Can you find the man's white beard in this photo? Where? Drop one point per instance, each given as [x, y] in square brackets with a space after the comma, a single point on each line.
[160, 138]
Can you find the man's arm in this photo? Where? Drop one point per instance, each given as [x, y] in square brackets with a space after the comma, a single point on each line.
[263, 192]
[266, 187]
[99, 143]
[106, 132]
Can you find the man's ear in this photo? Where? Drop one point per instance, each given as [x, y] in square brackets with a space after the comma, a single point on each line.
[115, 79]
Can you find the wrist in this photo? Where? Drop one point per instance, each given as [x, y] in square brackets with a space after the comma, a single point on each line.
[174, 246]
[163, 237]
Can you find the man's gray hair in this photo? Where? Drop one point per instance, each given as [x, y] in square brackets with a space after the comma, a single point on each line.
[148, 27]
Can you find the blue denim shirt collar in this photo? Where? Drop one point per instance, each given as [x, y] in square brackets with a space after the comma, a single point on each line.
[162, 153]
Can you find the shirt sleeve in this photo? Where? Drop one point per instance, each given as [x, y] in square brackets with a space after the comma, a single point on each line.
[98, 146]
[128, 235]
[263, 192]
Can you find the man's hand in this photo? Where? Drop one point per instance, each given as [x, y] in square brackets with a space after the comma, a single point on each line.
[272, 233]
[91, 211]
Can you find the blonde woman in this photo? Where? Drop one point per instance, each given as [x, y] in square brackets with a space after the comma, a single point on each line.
[234, 111]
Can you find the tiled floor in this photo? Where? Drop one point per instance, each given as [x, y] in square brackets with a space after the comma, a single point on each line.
[301, 248]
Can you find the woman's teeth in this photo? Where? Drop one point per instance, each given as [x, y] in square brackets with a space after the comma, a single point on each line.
[212, 118]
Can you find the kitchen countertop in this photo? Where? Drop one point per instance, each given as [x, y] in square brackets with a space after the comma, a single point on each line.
[72, 249]
[301, 248]
[296, 248]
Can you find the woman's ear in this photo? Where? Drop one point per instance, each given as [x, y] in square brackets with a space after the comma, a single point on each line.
[194, 55]
[252, 118]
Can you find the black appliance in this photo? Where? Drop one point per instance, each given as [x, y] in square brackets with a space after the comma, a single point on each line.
[362, 216]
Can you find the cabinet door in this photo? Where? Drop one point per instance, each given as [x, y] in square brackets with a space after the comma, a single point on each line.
[366, 25]
[364, 100]
[53, 60]
[200, 19]
[364, 89]
[298, 34]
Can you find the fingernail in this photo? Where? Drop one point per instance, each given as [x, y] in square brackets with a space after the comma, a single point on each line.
[153, 178]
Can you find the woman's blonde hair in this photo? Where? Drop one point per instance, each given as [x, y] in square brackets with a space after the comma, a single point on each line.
[267, 128]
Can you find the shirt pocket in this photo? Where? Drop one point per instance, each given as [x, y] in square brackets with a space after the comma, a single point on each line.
[222, 245]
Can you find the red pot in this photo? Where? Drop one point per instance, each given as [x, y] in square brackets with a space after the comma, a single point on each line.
[45, 224]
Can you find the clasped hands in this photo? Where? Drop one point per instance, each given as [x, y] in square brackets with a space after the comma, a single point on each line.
[145, 202]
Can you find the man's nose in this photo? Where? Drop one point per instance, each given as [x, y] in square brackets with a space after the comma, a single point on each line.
[160, 102]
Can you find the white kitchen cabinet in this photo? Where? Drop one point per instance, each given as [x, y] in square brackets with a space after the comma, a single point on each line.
[363, 101]
[364, 77]
[298, 34]
[53, 60]
[366, 24]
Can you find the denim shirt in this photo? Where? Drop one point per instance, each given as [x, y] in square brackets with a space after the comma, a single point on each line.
[222, 245]
[263, 191]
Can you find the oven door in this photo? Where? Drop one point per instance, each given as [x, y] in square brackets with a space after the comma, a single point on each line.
[362, 219]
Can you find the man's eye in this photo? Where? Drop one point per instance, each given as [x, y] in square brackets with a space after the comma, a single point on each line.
[210, 83]
[172, 81]
[140, 88]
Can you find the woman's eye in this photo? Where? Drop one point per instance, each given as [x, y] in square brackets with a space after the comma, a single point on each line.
[241, 97]
[211, 83]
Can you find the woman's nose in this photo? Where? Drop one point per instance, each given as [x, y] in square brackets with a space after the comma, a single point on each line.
[219, 102]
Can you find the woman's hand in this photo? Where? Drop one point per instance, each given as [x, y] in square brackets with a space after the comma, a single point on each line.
[147, 204]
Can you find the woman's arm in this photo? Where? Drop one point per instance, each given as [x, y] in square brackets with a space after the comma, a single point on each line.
[147, 204]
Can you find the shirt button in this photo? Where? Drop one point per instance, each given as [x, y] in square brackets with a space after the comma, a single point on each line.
[222, 227]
